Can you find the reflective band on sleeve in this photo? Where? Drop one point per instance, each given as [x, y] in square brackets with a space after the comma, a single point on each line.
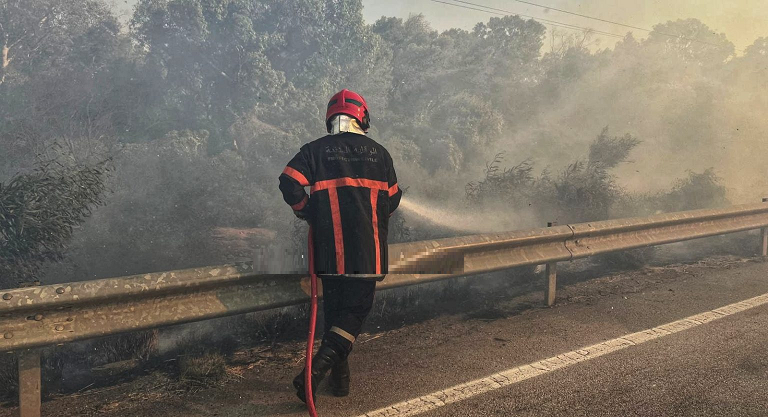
[296, 175]
[302, 204]
[393, 190]
[343, 333]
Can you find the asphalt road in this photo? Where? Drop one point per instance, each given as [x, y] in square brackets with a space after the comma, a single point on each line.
[715, 369]
[718, 368]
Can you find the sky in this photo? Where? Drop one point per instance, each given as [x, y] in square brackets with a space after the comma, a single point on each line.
[742, 21]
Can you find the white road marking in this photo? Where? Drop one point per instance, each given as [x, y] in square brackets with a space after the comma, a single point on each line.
[521, 373]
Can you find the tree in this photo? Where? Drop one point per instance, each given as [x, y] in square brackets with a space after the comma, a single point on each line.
[460, 88]
[568, 60]
[23, 27]
[507, 56]
[170, 196]
[758, 50]
[46, 35]
[210, 58]
[415, 56]
[55, 79]
[222, 60]
[470, 123]
[692, 41]
[38, 214]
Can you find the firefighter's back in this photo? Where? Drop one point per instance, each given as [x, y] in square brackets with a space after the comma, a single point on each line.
[350, 196]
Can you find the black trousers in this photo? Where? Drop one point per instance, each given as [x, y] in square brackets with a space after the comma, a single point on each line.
[346, 304]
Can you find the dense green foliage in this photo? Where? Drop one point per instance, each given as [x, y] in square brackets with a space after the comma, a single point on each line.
[201, 103]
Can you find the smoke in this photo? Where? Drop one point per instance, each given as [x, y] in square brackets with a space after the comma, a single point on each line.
[198, 147]
[201, 107]
[693, 108]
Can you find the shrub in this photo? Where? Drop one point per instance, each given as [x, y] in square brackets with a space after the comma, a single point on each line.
[699, 190]
[510, 185]
[609, 152]
[38, 214]
[584, 191]
[630, 259]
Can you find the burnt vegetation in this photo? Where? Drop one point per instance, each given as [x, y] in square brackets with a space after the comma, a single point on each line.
[162, 137]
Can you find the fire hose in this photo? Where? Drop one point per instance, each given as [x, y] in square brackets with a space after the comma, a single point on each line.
[312, 325]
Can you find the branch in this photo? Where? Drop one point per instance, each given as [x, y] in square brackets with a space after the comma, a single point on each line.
[215, 67]
[5, 60]
[28, 34]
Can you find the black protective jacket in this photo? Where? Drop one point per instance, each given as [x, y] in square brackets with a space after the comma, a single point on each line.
[353, 193]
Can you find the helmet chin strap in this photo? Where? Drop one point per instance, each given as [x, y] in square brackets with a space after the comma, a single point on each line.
[343, 123]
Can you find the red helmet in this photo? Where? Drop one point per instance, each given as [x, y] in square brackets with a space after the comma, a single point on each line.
[349, 103]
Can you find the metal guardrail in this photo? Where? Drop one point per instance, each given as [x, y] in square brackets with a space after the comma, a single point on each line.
[54, 314]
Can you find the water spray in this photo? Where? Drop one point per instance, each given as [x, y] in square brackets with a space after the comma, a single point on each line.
[459, 222]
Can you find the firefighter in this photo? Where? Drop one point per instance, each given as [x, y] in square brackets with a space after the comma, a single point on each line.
[353, 192]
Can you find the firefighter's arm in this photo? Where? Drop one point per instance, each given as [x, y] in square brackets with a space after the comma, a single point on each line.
[295, 177]
[395, 193]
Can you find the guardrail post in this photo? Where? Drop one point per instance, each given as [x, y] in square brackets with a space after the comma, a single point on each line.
[764, 236]
[551, 278]
[29, 383]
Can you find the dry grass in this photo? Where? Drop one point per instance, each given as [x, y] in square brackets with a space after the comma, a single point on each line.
[138, 345]
[9, 376]
[204, 370]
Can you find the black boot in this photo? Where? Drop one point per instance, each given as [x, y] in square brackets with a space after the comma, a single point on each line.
[339, 380]
[324, 360]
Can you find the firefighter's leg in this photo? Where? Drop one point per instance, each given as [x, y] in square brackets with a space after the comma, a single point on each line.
[339, 380]
[351, 303]
[332, 296]
[322, 362]
[328, 355]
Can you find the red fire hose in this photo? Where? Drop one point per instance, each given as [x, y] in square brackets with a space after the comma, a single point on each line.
[311, 336]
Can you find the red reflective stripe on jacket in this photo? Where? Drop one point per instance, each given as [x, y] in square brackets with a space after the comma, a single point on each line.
[301, 205]
[296, 175]
[338, 237]
[349, 182]
[345, 168]
[375, 221]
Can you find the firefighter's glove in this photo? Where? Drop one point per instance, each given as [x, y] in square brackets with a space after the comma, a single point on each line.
[302, 214]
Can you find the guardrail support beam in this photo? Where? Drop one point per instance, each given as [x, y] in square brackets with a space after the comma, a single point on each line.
[29, 383]
[551, 278]
[552, 284]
